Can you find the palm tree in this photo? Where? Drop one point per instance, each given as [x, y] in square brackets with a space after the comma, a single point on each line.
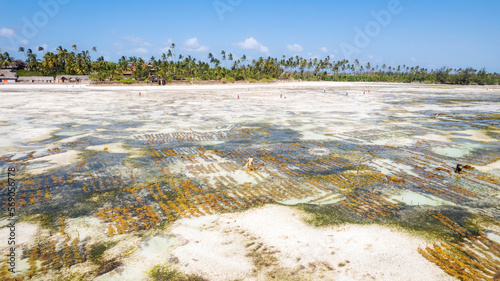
[49, 63]
[230, 57]
[30, 59]
[211, 57]
[223, 53]
[5, 59]
[169, 53]
[21, 49]
[172, 47]
[74, 47]
[300, 68]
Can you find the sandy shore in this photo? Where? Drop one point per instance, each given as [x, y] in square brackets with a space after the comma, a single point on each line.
[217, 86]
[274, 241]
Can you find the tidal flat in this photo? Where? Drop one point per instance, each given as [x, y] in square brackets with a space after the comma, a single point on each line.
[352, 181]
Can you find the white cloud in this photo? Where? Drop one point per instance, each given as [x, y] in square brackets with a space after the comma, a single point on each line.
[413, 59]
[192, 45]
[6, 32]
[137, 41]
[133, 45]
[140, 50]
[294, 48]
[324, 49]
[252, 44]
[23, 42]
[118, 46]
[370, 56]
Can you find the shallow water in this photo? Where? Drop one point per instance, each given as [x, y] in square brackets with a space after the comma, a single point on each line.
[157, 245]
[416, 199]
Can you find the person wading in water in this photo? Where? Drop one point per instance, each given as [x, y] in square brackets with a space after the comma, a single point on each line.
[249, 164]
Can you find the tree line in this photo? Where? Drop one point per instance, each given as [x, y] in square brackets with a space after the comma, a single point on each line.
[227, 67]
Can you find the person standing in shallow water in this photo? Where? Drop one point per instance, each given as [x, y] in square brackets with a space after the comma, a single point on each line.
[249, 164]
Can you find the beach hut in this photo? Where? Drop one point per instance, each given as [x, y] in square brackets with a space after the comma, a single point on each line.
[6, 76]
[72, 79]
[156, 79]
[35, 79]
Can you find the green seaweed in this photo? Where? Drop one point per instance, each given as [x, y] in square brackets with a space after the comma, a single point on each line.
[414, 220]
[97, 250]
[45, 221]
[164, 273]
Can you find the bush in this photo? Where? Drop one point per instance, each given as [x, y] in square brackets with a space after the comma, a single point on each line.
[23, 72]
[227, 79]
[127, 81]
[267, 79]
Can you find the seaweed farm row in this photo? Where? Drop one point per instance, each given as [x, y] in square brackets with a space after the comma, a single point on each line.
[214, 169]
[159, 138]
[179, 176]
[474, 258]
[63, 251]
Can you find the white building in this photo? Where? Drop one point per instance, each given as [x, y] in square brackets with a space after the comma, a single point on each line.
[35, 79]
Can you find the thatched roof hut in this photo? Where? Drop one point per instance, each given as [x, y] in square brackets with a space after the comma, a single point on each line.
[72, 79]
[6, 76]
[35, 79]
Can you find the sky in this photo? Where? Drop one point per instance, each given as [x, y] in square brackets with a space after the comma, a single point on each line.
[429, 34]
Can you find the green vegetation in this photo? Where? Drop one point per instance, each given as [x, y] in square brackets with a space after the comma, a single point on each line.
[325, 215]
[164, 273]
[478, 222]
[414, 220]
[127, 81]
[23, 72]
[107, 267]
[178, 67]
[229, 79]
[97, 250]
[45, 221]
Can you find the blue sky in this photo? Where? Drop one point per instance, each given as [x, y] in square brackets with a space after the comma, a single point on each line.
[426, 33]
